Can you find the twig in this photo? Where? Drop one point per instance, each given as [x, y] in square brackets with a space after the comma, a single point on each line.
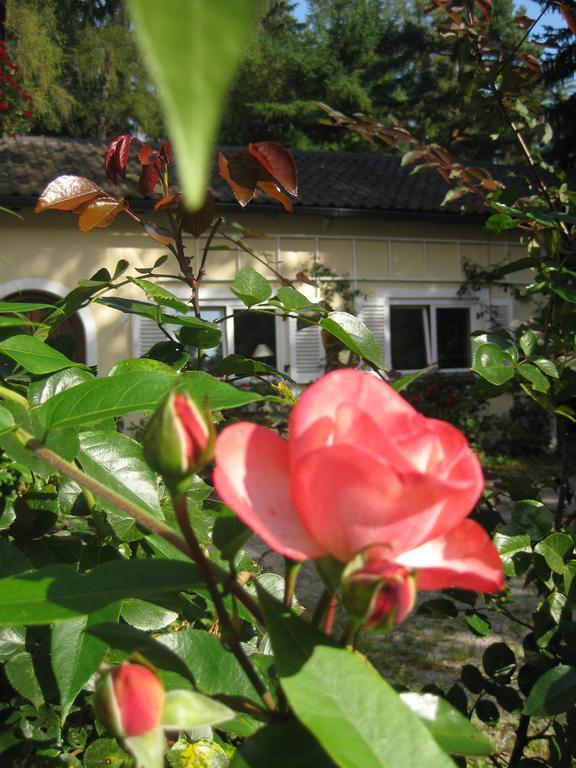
[247, 249]
[230, 632]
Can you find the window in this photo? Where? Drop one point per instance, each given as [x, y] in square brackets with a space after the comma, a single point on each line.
[255, 336]
[421, 334]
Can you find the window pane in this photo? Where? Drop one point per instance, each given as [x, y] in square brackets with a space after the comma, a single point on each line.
[453, 331]
[255, 333]
[408, 337]
[211, 358]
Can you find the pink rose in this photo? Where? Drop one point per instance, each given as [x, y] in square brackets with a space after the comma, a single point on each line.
[129, 700]
[362, 468]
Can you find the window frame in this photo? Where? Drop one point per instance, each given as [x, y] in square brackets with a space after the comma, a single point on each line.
[435, 299]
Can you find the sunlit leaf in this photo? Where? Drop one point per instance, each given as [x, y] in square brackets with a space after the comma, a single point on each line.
[66, 193]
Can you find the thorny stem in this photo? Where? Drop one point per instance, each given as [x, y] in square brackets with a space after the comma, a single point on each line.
[215, 226]
[231, 634]
[321, 607]
[521, 741]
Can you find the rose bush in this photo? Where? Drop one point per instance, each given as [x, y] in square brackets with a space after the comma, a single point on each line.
[362, 469]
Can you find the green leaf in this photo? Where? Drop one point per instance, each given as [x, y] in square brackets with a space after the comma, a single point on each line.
[192, 52]
[499, 662]
[102, 399]
[281, 745]
[554, 549]
[547, 367]
[41, 391]
[104, 753]
[187, 710]
[147, 616]
[404, 381]
[535, 376]
[34, 355]
[117, 462]
[214, 669]
[251, 287]
[533, 518]
[205, 338]
[161, 296]
[553, 693]
[22, 306]
[356, 716]
[22, 677]
[528, 342]
[56, 593]
[129, 639]
[499, 222]
[245, 366]
[75, 655]
[295, 301]
[220, 396]
[355, 335]
[478, 623]
[197, 753]
[488, 712]
[492, 364]
[450, 729]
[515, 551]
[7, 422]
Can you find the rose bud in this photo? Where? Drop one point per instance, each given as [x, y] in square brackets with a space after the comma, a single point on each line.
[129, 700]
[179, 438]
[377, 592]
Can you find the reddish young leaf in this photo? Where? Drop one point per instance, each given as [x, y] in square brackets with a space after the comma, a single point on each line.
[147, 154]
[170, 201]
[198, 221]
[278, 162]
[100, 213]
[159, 234]
[273, 190]
[166, 153]
[569, 16]
[122, 152]
[65, 193]
[242, 180]
[149, 178]
[525, 22]
[116, 157]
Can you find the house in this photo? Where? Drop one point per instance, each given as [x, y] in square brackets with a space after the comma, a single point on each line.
[362, 215]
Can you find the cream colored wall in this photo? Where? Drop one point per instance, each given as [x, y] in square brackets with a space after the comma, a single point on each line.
[371, 252]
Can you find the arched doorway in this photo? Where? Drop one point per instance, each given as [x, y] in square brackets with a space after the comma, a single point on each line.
[70, 333]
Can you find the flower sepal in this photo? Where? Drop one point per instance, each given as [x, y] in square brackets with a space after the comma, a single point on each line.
[376, 592]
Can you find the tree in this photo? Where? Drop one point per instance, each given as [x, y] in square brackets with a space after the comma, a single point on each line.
[79, 62]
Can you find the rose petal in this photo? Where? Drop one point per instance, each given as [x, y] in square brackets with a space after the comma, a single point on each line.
[463, 558]
[349, 499]
[252, 478]
[312, 420]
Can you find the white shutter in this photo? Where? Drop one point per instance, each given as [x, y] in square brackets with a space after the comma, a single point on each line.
[306, 353]
[501, 313]
[374, 317]
[146, 334]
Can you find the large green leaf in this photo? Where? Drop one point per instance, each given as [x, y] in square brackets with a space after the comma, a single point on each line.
[101, 399]
[118, 463]
[282, 745]
[354, 714]
[450, 729]
[58, 592]
[553, 693]
[23, 678]
[187, 709]
[192, 49]
[75, 655]
[34, 355]
[41, 391]
[113, 396]
[355, 335]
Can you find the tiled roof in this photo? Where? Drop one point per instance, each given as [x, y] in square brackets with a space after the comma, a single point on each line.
[338, 181]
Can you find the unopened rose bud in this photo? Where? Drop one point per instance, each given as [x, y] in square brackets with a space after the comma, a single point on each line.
[179, 438]
[377, 592]
[129, 700]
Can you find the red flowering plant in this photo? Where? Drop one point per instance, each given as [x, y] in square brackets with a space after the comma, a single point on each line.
[15, 102]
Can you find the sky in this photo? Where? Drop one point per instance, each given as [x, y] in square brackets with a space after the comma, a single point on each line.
[551, 18]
